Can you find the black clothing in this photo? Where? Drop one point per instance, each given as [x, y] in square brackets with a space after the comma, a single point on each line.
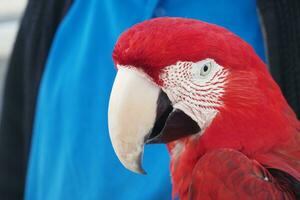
[281, 27]
[38, 26]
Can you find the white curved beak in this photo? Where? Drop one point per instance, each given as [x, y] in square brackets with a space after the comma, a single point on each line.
[131, 115]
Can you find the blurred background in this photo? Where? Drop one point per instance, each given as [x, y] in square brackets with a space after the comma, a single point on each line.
[10, 14]
[58, 118]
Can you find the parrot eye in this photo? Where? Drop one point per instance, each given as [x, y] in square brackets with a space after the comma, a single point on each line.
[205, 69]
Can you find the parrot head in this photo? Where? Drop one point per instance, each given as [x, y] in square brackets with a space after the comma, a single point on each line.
[195, 86]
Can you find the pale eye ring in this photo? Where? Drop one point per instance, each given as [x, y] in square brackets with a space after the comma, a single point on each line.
[205, 69]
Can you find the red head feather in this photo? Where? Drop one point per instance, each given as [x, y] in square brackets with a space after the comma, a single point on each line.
[157, 43]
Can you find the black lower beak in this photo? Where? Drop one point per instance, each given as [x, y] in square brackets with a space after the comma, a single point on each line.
[170, 124]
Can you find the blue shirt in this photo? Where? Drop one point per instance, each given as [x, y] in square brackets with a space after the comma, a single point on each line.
[71, 154]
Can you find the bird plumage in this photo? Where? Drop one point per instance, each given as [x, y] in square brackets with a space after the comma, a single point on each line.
[250, 148]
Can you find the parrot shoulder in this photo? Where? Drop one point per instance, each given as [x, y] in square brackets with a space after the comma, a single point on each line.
[229, 174]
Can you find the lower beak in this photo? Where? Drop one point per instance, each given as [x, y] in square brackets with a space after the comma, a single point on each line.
[140, 112]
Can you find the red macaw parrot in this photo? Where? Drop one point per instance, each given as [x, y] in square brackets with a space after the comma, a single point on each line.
[203, 91]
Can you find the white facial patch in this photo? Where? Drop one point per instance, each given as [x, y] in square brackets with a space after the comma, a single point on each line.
[196, 88]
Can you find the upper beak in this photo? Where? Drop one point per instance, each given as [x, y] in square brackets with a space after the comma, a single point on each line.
[140, 112]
